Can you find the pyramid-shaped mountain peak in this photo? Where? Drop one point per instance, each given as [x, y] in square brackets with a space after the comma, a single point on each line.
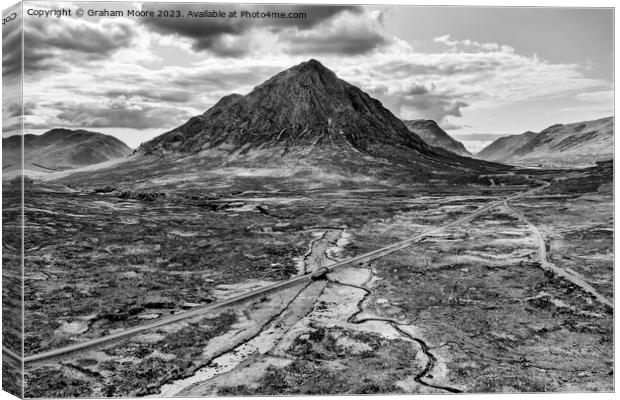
[310, 75]
[306, 107]
[311, 65]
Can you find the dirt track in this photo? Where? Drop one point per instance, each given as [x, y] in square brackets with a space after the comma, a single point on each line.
[571, 276]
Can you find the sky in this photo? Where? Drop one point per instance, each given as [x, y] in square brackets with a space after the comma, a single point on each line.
[480, 72]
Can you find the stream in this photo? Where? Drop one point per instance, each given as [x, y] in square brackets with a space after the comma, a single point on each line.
[344, 292]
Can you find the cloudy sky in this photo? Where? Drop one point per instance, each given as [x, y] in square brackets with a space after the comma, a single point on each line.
[479, 72]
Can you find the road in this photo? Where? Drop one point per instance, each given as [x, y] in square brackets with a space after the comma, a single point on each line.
[363, 258]
[545, 264]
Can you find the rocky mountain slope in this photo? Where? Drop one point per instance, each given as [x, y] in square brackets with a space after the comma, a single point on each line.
[581, 143]
[61, 149]
[432, 134]
[307, 109]
[302, 107]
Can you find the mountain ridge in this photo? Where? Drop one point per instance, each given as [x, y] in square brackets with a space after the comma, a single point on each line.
[61, 149]
[576, 143]
[504, 146]
[432, 134]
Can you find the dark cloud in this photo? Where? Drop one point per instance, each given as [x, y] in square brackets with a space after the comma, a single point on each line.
[221, 35]
[12, 49]
[205, 33]
[425, 102]
[435, 106]
[53, 46]
[345, 40]
[119, 114]
[100, 39]
[224, 80]
[11, 117]
[315, 14]
[12, 110]
[29, 108]
[227, 46]
[416, 90]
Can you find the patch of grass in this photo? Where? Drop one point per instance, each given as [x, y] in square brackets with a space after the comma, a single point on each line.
[50, 382]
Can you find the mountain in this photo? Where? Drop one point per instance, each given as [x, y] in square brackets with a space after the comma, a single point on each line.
[304, 106]
[302, 129]
[61, 149]
[432, 134]
[581, 143]
[504, 147]
[308, 110]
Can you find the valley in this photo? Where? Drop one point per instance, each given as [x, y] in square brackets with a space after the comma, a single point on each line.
[440, 303]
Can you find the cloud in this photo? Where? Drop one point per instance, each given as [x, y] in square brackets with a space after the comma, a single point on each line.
[133, 96]
[448, 125]
[597, 96]
[601, 110]
[117, 113]
[65, 42]
[12, 110]
[204, 35]
[231, 37]
[346, 34]
[420, 101]
[11, 49]
[158, 72]
[11, 118]
[13, 113]
[474, 146]
[11, 127]
[100, 38]
[599, 102]
[442, 85]
[168, 96]
[227, 45]
[210, 77]
[29, 108]
[480, 136]
[434, 106]
[418, 90]
[468, 44]
[441, 65]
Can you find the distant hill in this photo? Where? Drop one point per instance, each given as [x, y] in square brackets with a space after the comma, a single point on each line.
[577, 144]
[61, 149]
[432, 134]
[504, 147]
